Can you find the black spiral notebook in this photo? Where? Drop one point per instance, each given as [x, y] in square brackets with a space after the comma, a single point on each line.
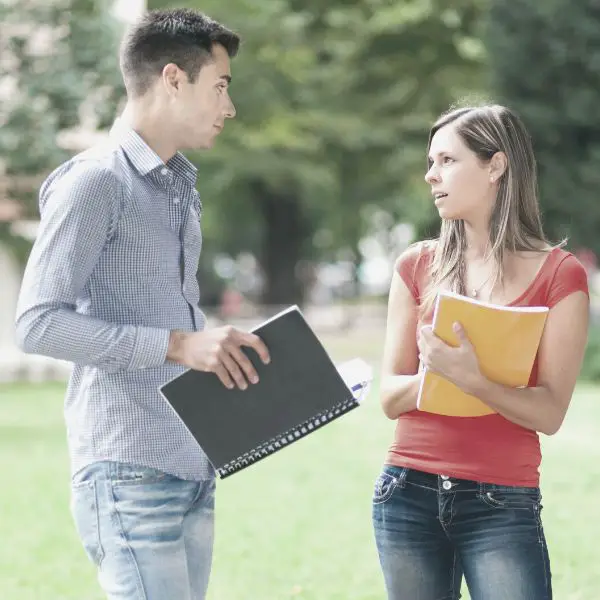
[299, 391]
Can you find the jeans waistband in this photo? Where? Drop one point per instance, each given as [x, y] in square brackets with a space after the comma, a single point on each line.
[445, 483]
[113, 470]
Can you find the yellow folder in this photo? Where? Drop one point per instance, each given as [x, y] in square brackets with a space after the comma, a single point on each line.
[506, 341]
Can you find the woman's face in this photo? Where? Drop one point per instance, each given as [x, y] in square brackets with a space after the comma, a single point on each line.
[462, 185]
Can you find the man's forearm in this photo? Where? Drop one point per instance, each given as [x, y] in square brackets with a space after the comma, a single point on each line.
[62, 333]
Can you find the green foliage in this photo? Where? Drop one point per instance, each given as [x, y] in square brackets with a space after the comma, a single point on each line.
[334, 100]
[590, 370]
[545, 60]
[59, 61]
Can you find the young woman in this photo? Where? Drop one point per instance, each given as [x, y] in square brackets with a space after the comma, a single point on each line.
[460, 496]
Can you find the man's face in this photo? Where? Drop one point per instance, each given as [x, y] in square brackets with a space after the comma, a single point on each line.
[203, 106]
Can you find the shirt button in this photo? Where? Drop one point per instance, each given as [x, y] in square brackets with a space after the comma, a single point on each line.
[176, 201]
[164, 171]
[446, 485]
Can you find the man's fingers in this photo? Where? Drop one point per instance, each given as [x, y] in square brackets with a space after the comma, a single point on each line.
[252, 340]
[234, 370]
[244, 362]
[222, 373]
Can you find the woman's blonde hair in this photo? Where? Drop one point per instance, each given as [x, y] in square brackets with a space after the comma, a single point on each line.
[515, 222]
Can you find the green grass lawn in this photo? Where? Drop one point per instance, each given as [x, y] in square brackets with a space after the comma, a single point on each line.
[297, 525]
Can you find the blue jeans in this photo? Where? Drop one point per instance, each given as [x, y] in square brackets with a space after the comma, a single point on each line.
[431, 530]
[149, 534]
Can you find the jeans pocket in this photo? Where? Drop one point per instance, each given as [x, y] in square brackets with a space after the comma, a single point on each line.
[512, 498]
[84, 509]
[132, 475]
[384, 488]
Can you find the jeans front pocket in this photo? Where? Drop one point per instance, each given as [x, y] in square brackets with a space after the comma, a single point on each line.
[514, 498]
[84, 509]
[384, 488]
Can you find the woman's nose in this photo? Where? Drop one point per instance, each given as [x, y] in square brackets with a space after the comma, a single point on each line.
[431, 175]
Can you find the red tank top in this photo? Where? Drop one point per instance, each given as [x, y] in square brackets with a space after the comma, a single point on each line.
[491, 448]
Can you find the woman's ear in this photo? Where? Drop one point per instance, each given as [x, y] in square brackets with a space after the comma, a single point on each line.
[498, 166]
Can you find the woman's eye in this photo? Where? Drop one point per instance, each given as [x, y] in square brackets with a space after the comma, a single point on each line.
[447, 160]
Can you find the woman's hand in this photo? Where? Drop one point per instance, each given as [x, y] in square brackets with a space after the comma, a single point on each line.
[457, 364]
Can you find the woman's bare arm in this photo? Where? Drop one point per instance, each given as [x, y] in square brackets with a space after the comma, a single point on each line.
[399, 377]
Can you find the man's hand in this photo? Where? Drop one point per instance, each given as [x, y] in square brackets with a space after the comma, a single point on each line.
[218, 351]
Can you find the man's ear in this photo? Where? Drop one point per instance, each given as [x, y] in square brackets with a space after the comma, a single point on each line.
[171, 78]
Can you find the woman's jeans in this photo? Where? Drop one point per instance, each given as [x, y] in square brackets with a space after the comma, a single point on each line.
[431, 530]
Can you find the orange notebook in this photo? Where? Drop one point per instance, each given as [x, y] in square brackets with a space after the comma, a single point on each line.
[506, 341]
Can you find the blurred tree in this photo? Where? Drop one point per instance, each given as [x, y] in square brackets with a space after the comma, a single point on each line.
[545, 61]
[333, 101]
[59, 66]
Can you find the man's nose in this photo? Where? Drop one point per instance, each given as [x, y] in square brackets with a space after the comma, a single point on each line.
[230, 111]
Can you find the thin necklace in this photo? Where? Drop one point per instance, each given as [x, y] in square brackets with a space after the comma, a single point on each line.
[475, 291]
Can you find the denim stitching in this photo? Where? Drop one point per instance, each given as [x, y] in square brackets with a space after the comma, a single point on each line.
[90, 484]
[451, 508]
[397, 482]
[117, 515]
[544, 550]
[443, 522]
[378, 496]
[200, 492]
[489, 500]
[126, 475]
[401, 477]
[453, 595]
[101, 551]
[423, 487]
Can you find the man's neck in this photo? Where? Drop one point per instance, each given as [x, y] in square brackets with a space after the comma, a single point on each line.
[139, 116]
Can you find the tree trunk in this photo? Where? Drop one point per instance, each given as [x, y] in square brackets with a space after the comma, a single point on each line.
[285, 233]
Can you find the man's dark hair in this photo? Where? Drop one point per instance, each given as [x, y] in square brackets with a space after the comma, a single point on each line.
[181, 36]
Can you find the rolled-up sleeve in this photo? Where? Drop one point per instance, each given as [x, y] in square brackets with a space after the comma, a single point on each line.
[79, 211]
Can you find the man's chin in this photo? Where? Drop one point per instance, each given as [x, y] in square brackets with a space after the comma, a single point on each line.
[198, 146]
[206, 144]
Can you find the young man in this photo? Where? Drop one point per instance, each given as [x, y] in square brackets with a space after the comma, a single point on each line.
[111, 286]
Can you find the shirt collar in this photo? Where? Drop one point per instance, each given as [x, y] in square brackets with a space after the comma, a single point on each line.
[181, 166]
[145, 160]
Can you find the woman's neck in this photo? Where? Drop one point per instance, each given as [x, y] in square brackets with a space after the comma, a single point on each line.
[478, 242]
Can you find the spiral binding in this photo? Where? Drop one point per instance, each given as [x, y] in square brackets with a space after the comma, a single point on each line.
[284, 439]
